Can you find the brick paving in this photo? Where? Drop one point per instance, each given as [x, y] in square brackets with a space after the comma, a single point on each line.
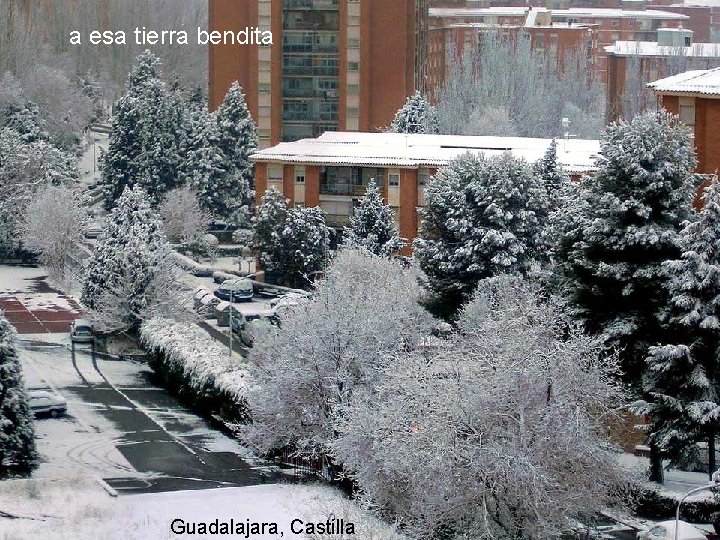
[50, 319]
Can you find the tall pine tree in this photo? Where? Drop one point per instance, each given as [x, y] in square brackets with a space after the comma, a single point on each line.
[618, 235]
[146, 136]
[416, 116]
[119, 278]
[237, 140]
[373, 226]
[682, 382]
[18, 456]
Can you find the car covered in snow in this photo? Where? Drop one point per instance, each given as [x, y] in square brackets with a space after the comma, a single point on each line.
[47, 402]
[93, 229]
[81, 331]
[665, 530]
[236, 289]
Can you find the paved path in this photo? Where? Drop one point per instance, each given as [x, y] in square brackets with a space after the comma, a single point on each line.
[33, 307]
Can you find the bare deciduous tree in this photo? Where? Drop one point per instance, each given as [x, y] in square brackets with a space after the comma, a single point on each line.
[53, 226]
[183, 219]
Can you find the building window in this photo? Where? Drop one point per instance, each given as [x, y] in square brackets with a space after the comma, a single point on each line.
[688, 41]
[393, 180]
[353, 66]
[353, 43]
[687, 110]
[264, 88]
[299, 178]
[423, 178]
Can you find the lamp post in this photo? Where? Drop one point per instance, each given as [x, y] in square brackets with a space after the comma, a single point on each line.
[231, 320]
[714, 484]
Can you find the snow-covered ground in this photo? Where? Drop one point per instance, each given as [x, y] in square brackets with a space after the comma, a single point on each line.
[80, 509]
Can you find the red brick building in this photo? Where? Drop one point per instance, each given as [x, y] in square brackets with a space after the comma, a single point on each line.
[333, 64]
[695, 97]
[332, 171]
[593, 27]
[633, 64]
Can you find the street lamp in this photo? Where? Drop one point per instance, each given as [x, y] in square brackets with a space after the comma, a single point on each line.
[231, 320]
[714, 484]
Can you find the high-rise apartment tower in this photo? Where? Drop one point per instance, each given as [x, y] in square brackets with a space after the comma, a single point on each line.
[334, 65]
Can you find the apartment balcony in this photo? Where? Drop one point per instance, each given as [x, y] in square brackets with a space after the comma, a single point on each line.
[310, 71]
[311, 4]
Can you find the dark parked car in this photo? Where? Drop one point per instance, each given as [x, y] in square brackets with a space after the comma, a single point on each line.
[241, 289]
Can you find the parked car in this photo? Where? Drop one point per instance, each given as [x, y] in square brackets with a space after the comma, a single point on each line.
[47, 402]
[665, 530]
[240, 328]
[93, 229]
[242, 325]
[240, 289]
[81, 331]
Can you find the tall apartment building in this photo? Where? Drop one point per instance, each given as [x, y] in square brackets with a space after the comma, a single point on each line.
[334, 65]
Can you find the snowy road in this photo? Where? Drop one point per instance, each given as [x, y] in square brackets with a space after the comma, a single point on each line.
[126, 430]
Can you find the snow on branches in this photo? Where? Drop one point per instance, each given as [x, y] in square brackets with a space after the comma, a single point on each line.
[496, 433]
[363, 309]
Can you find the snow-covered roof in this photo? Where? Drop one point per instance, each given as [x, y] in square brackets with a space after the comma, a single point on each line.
[651, 48]
[596, 13]
[421, 150]
[704, 81]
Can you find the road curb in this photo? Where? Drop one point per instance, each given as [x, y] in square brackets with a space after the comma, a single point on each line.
[103, 484]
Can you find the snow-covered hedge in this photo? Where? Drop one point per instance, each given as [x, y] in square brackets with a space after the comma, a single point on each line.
[195, 268]
[197, 367]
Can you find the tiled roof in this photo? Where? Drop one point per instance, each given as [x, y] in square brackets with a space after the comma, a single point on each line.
[705, 81]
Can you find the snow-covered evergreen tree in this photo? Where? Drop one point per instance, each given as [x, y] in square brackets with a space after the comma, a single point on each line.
[552, 175]
[26, 121]
[619, 234]
[25, 168]
[121, 280]
[483, 217]
[627, 226]
[373, 226]
[682, 382]
[237, 139]
[291, 243]
[208, 171]
[17, 433]
[416, 116]
[268, 224]
[146, 135]
[304, 247]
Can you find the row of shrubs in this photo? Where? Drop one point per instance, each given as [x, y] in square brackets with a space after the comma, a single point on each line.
[197, 368]
[188, 264]
[649, 503]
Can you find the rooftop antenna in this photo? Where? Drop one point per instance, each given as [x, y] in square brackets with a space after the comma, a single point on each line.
[566, 131]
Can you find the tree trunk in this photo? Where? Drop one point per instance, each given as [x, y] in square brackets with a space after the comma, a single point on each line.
[712, 466]
[656, 472]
